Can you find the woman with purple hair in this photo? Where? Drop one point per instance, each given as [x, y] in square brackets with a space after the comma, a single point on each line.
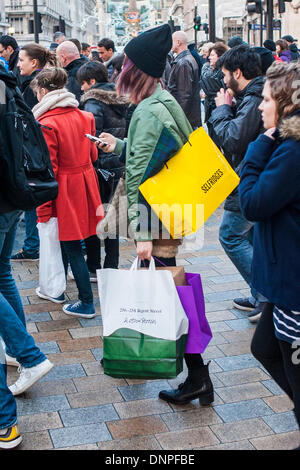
[158, 130]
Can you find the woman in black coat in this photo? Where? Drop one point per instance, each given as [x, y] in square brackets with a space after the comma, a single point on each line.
[110, 112]
[211, 82]
[32, 59]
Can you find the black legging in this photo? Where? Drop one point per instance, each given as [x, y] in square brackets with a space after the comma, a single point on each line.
[276, 357]
[193, 361]
[93, 251]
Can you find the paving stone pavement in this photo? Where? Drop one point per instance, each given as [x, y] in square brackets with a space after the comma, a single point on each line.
[77, 407]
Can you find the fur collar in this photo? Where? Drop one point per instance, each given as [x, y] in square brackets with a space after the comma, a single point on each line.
[290, 128]
[107, 97]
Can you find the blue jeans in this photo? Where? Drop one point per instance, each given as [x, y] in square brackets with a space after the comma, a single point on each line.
[32, 240]
[236, 237]
[72, 253]
[8, 406]
[19, 343]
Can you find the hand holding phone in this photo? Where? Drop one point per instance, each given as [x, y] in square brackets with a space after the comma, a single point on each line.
[96, 140]
[108, 143]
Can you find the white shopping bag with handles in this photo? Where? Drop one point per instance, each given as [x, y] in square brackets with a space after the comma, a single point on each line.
[52, 271]
[144, 324]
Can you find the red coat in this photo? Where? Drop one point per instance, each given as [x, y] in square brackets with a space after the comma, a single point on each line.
[72, 155]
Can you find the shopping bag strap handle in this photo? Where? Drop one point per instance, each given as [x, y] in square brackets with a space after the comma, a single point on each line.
[180, 130]
[160, 262]
[137, 264]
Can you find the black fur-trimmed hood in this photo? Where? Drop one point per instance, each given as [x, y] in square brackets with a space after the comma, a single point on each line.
[106, 94]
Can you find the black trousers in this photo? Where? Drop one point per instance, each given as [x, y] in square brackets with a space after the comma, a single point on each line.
[193, 361]
[278, 357]
[93, 251]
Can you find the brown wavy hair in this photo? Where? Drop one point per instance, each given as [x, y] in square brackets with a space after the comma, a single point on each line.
[283, 44]
[219, 48]
[284, 80]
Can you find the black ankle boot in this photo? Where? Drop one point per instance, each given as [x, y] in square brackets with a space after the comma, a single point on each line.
[197, 385]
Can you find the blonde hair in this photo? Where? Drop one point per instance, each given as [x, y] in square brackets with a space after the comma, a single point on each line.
[207, 47]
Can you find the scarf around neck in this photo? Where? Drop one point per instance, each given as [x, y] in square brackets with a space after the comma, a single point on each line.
[55, 99]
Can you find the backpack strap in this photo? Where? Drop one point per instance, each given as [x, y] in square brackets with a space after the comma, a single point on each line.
[185, 138]
[2, 94]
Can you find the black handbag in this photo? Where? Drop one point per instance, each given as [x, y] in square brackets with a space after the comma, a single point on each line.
[106, 182]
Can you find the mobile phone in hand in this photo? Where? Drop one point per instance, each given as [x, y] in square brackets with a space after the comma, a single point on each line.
[96, 139]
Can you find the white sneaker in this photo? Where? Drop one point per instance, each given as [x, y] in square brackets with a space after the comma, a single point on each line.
[29, 376]
[11, 361]
[57, 300]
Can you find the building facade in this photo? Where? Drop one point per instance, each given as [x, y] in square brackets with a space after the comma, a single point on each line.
[55, 16]
[232, 26]
[4, 25]
[84, 19]
[183, 13]
[76, 18]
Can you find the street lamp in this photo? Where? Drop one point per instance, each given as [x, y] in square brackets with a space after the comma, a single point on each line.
[11, 30]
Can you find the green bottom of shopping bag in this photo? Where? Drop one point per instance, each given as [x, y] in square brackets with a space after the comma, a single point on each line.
[128, 353]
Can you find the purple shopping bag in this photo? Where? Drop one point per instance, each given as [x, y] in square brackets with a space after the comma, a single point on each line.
[192, 300]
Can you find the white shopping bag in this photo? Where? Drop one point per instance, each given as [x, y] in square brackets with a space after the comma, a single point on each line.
[52, 271]
[144, 324]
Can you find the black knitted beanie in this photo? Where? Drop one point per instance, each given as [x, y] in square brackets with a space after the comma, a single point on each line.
[149, 50]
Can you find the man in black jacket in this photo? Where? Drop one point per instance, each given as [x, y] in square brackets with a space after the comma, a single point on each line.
[237, 126]
[9, 50]
[69, 57]
[183, 81]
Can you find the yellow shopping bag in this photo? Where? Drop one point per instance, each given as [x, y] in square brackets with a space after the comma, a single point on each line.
[193, 184]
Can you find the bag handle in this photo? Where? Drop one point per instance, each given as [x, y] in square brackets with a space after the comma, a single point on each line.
[179, 128]
[160, 262]
[137, 264]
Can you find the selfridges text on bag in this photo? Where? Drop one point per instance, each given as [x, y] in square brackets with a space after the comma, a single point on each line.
[193, 184]
[144, 326]
[26, 173]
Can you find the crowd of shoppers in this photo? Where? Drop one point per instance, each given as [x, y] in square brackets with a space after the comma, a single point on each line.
[144, 103]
